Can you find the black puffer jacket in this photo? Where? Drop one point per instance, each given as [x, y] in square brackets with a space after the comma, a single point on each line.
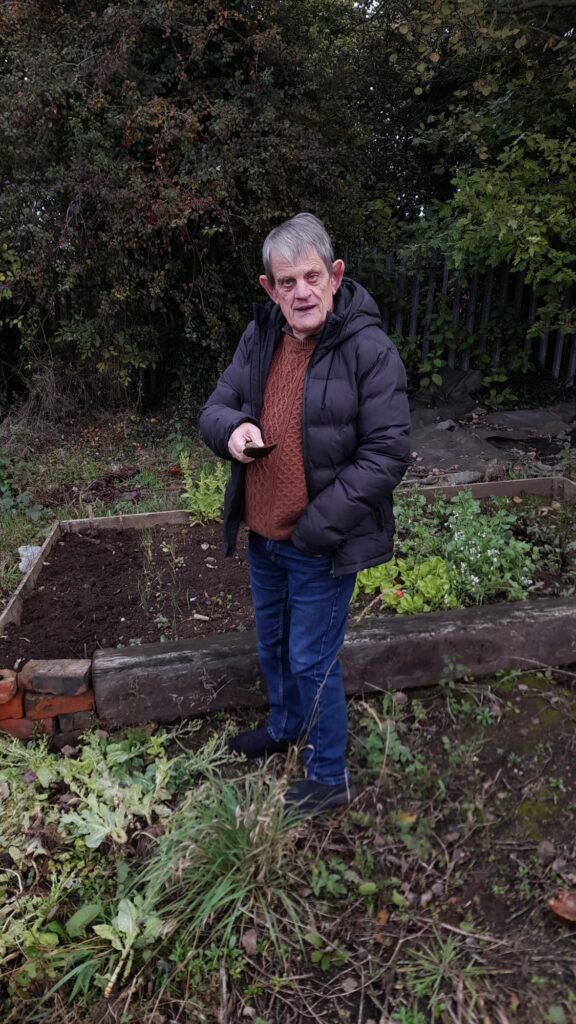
[355, 428]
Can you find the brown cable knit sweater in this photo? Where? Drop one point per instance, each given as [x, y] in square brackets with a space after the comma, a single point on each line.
[276, 493]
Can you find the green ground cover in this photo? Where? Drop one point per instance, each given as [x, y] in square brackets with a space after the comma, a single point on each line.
[148, 877]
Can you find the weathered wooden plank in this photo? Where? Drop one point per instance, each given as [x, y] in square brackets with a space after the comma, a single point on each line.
[518, 292]
[558, 349]
[445, 272]
[387, 279]
[13, 610]
[415, 295]
[404, 652]
[164, 682]
[502, 304]
[133, 521]
[428, 314]
[400, 299]
[545, 486]
[543, 346]
[486, 306]
[571, 371]
[470, 317]
[455, 319]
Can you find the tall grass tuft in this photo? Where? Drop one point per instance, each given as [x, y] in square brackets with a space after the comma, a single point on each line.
[225, 864]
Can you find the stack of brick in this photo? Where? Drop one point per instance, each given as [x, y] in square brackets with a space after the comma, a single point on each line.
[54, 698]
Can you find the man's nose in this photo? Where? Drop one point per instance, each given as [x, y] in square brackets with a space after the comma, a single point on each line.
[302, 289]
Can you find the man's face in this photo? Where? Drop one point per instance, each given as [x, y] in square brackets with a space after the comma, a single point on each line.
[304, 290]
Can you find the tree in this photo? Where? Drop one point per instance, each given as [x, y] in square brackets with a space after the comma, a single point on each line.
[149, 148]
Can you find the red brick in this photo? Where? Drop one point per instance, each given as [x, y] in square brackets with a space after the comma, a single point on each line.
[13, 708]
[8, 685]
[47, 705]
[25, 729]
[63, 677]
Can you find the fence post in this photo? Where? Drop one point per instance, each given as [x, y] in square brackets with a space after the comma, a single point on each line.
[486, 304]
[455, 319]
[531, 318]
[502, 303]
[470, 317]
[400, 296]
[571, 372]
[413, 325]
[387, 277]
[429, 312]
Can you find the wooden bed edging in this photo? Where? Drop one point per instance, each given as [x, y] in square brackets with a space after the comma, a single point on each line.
[185, 678]
[13, 610]
[137, 521]
[557, 488]
[165, 682]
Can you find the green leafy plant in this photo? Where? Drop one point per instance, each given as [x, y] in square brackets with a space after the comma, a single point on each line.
[324, 953]
[430, 371]
[12, 498]
[442, 968]
[203, 495]
[486, 559]
[409, 587]
[454, 553]
[385, 739]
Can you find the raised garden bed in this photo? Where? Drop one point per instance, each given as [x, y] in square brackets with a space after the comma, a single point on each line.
[154, 578]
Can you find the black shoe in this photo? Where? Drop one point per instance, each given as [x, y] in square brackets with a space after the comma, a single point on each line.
[307, 797]
[257, 743]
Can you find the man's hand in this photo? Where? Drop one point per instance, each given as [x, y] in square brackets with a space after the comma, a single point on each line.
[245, 434]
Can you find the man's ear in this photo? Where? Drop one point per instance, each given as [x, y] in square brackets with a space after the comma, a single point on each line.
[270, 289]
[337, 274]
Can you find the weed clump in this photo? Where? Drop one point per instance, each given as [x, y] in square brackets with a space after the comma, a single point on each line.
[224, 864]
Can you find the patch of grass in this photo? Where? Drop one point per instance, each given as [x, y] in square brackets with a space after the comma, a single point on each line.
[17, 530]
[225, 865]
[444, 974]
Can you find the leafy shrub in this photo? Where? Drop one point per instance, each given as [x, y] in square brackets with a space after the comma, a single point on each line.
[203, 496]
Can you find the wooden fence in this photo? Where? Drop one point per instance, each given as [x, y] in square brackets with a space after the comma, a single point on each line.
[467, 318]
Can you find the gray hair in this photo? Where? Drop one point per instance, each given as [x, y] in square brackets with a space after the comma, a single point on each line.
[295, 237]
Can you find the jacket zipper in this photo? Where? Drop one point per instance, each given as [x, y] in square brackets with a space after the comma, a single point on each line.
[305, 445]
[304, 431]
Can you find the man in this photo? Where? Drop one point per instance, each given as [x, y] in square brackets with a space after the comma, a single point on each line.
[315, 375]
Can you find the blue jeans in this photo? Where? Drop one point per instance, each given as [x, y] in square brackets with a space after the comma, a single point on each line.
[301, 611]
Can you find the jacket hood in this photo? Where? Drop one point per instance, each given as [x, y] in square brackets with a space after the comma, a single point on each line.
[354, 310]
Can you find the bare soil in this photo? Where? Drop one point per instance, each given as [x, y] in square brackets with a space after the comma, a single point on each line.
[123, 587]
